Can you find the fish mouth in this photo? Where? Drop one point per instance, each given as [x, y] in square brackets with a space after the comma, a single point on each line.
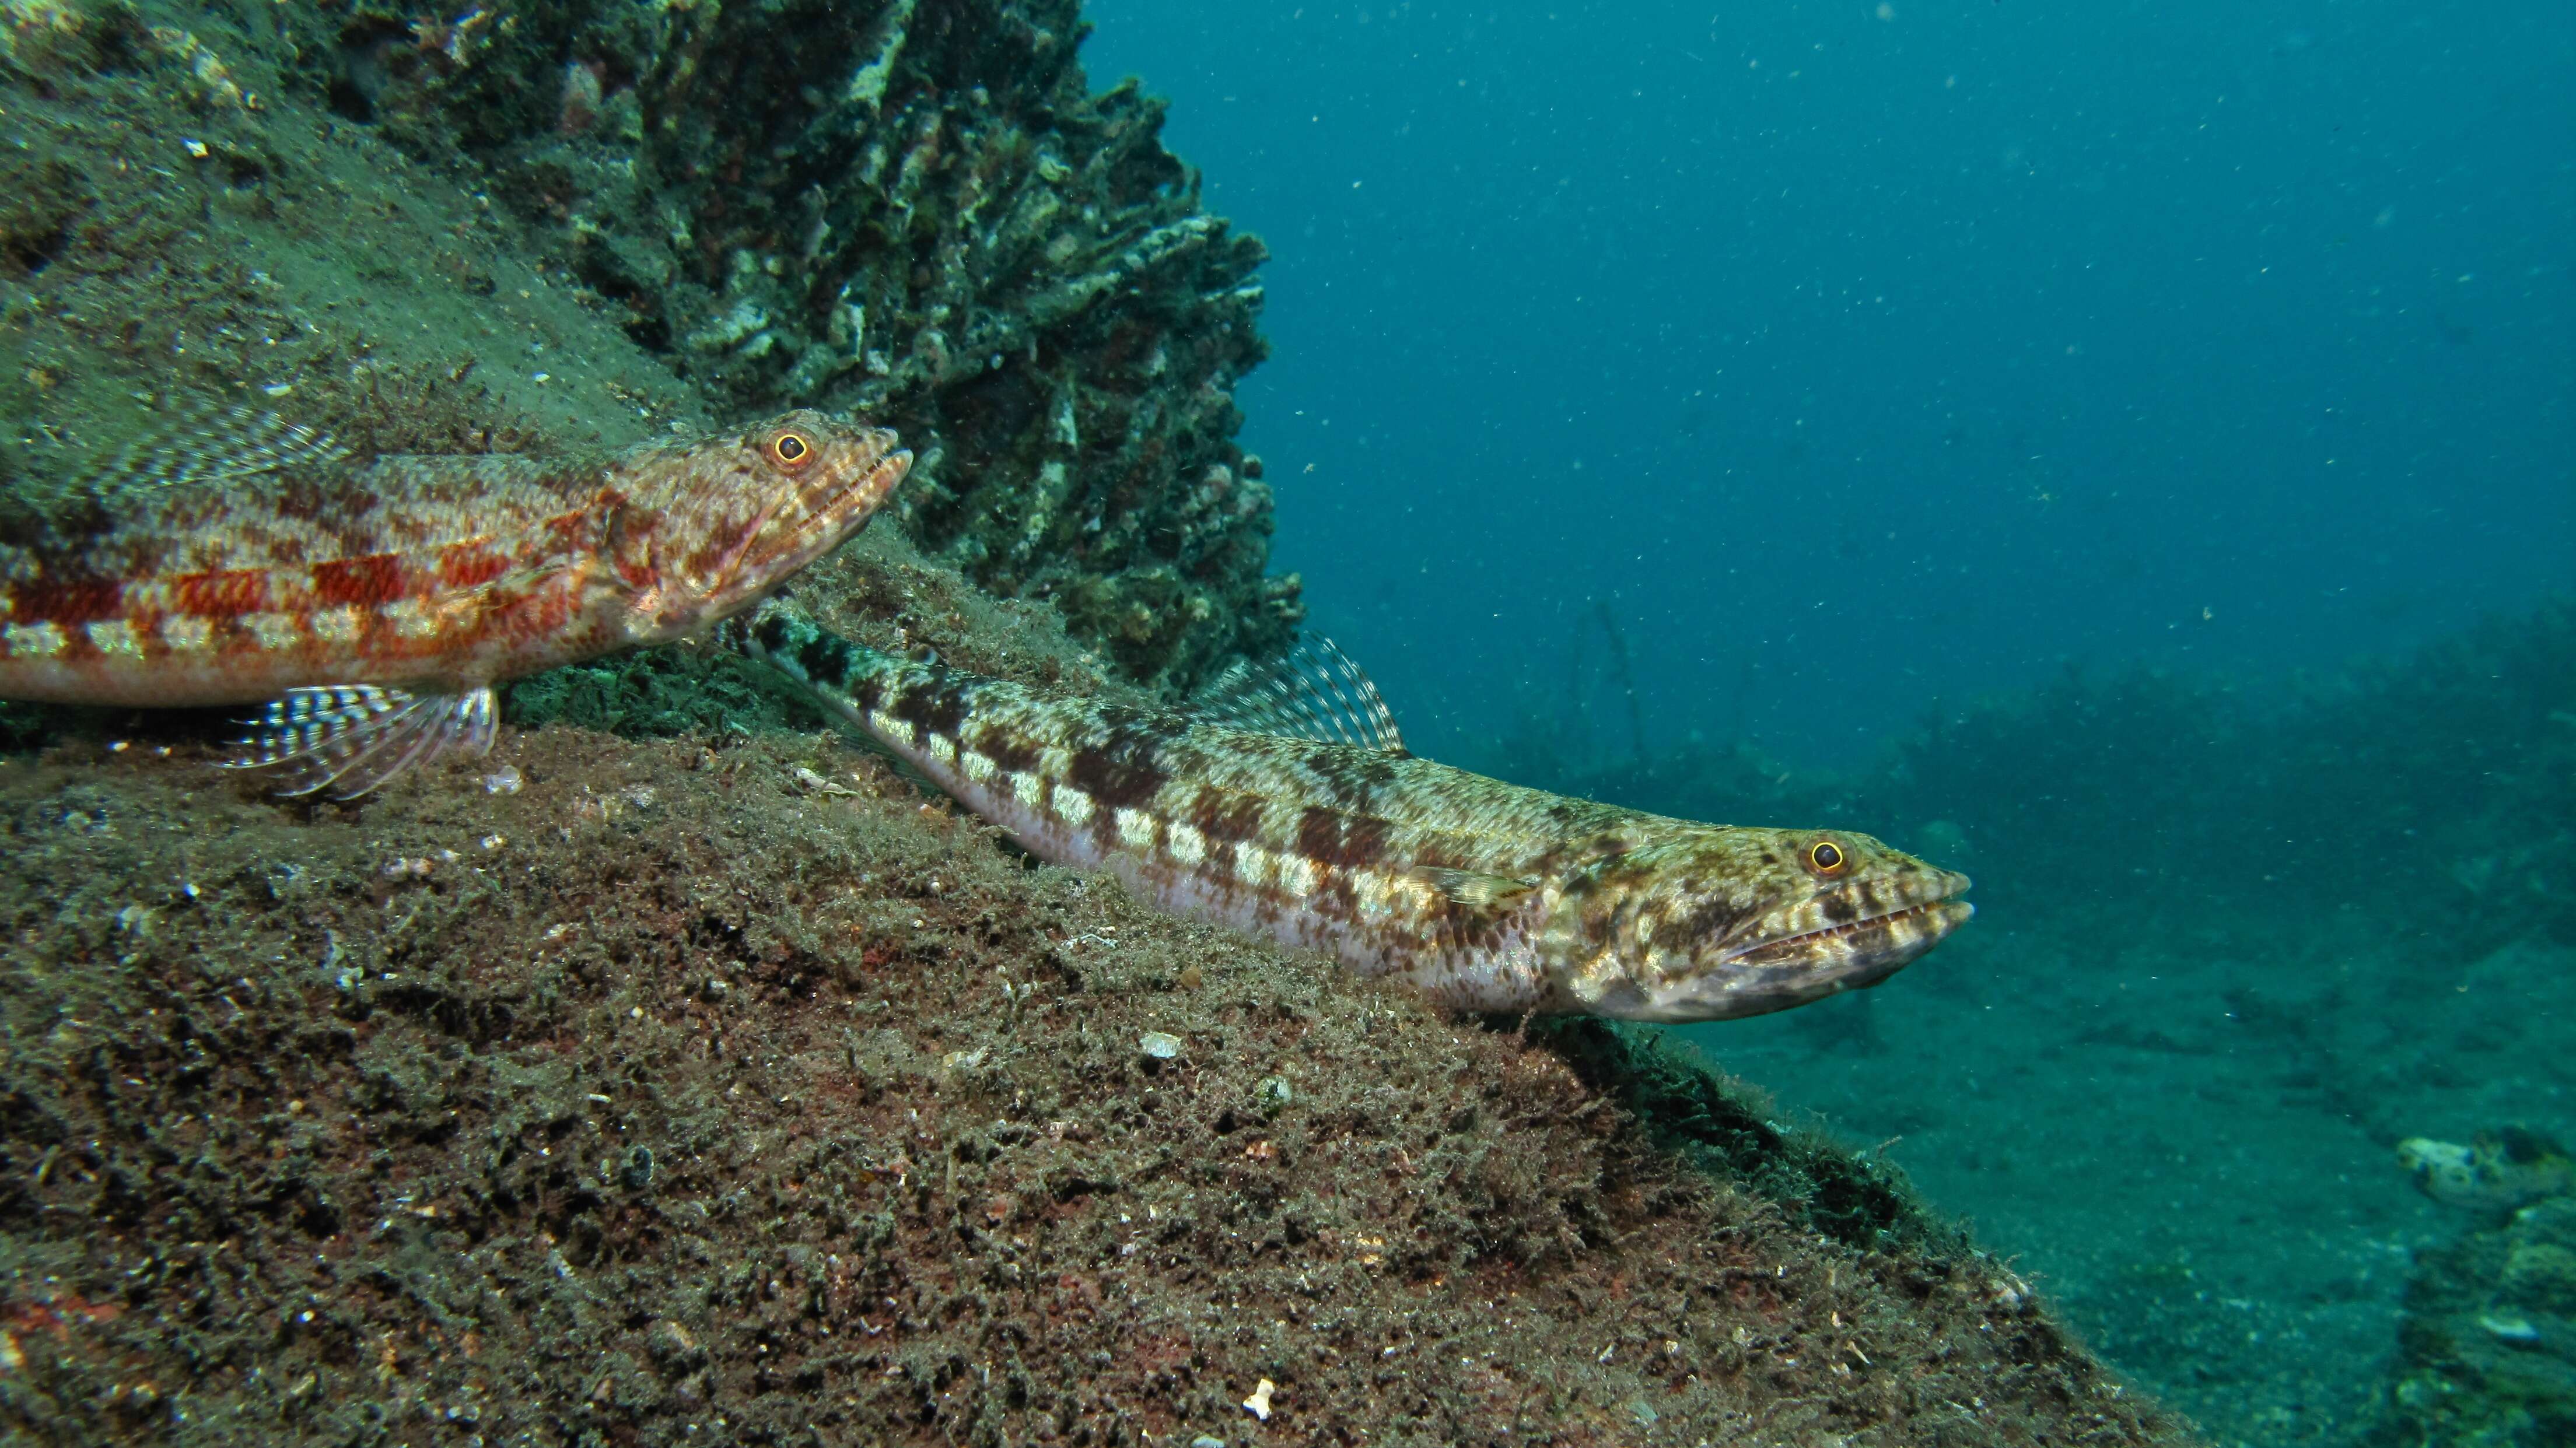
[1936, 917]
[853, 502]
[1793, 970]
[1865, 950]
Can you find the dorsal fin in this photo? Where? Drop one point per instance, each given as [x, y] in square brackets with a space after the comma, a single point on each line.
[1312, 692]
[212, 448]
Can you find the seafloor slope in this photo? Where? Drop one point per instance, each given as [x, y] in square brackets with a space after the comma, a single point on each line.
[724, 1089]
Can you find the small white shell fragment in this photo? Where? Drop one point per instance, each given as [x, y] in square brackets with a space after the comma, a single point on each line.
[504, 780]
[807, 779]
[2509, 1329]
[1161, 1045]
[1259, 1403]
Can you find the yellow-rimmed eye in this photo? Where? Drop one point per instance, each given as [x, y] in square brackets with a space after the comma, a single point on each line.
[1827, 858]
[791, 450]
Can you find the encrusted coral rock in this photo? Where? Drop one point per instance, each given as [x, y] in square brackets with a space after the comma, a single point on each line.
[916, 208]
[2487, 1352]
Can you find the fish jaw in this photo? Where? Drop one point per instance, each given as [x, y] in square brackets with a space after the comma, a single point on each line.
[1722, 923]
[705, 541]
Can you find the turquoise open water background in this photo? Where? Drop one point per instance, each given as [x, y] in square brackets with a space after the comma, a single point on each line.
[1864, 352]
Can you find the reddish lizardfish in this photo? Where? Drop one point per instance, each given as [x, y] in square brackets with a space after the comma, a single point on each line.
[375, 603]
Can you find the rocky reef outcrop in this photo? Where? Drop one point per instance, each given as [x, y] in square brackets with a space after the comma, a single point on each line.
[2486, 1354]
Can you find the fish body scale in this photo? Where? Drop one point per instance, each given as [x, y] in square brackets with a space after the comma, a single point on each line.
[1480, 894]
[215, 600]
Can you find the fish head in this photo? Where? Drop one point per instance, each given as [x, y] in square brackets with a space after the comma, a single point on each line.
[1720, 922]
[2500, 1171]
[2446, 1171]
[708, 527]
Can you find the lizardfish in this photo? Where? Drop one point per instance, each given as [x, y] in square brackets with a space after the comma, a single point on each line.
[1286, 805]
[375, 603]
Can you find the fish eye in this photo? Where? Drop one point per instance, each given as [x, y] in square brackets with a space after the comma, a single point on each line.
[1827, 858]
[791, 450]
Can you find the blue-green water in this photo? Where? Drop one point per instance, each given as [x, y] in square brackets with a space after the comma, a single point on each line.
[1864, 359]
[2077, 443]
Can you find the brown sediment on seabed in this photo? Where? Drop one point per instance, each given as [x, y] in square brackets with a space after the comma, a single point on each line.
[731, 1091]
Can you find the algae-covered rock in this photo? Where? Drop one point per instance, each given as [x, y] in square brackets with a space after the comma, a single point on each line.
[2487, 1351]
[179, 234]
[2497, 1173]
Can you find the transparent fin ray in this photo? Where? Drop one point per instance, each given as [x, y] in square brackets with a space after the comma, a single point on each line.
[1476, 891]
[1313, 692]
[345, 740]
[1475, 904]
[214, 448]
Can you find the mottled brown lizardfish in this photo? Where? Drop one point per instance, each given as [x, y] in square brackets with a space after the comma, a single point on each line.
[376, 602]
[1286, 806]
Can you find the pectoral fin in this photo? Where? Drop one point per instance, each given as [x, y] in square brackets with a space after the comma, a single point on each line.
[348, 739]
[1475, 904]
